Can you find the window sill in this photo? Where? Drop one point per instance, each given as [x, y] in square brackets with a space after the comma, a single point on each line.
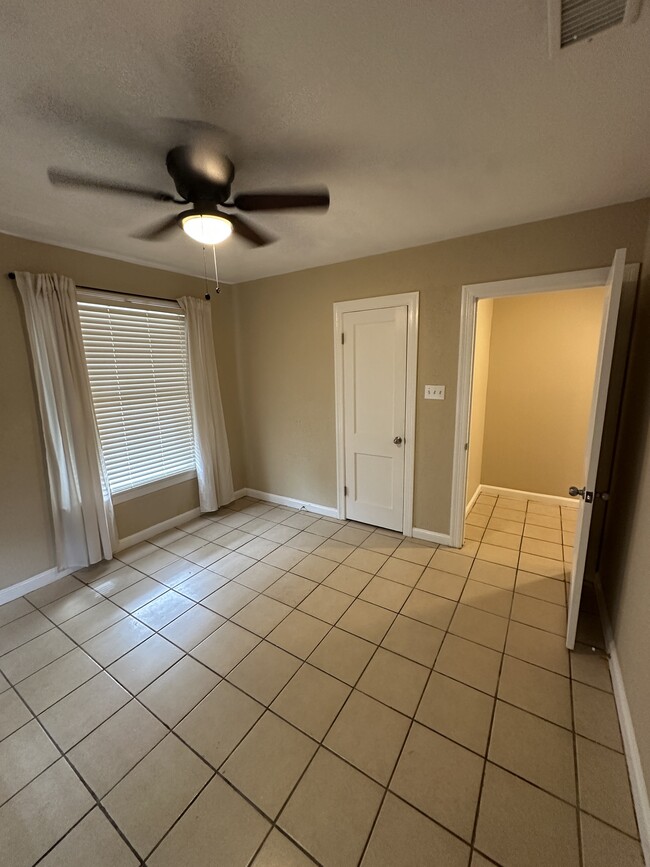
[158, 485]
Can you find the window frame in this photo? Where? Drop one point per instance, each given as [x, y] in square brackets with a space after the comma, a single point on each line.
[152, 487]
[139, 303]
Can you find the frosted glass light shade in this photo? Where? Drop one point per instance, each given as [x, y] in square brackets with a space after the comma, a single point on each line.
[207, 228]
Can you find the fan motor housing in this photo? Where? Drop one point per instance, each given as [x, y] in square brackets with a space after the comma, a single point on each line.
[210, 182]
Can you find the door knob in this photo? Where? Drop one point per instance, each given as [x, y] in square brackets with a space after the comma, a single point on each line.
[576, 492]
[398, 441]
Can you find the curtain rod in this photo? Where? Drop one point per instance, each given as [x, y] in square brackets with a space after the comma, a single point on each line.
[12, 276]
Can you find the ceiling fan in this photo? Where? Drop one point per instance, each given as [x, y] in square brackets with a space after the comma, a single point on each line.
[203, 180]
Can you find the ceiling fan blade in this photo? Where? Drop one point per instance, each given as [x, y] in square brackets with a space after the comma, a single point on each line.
[280, 201]
[249, 232]
[159, 230]
[61, 178]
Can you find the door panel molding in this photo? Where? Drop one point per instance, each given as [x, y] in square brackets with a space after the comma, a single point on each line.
[410, 300]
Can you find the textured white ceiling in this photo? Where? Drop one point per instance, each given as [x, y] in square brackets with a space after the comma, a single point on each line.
[427, 119]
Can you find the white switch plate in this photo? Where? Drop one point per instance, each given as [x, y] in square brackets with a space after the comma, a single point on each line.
[434, 392]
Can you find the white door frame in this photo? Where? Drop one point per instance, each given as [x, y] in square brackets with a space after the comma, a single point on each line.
[410, 300]
[471, 295]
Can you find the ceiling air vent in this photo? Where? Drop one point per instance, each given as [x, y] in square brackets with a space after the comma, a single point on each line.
[573, 21]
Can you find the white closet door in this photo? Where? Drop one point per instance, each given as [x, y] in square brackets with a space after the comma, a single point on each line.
[374, 387]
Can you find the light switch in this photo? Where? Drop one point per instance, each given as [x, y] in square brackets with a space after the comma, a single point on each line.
[434, 392]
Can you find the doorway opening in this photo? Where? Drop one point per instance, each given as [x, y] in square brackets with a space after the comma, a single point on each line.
[375, 352]
[534, 368]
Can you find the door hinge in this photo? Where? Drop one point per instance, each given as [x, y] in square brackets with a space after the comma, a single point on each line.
[345, 490]
[466, 446]
[342, 337]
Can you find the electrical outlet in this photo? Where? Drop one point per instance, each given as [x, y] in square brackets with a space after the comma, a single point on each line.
[434, 392]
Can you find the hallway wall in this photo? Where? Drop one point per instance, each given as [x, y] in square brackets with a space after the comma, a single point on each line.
[483, 334]
[625, 559]
[542, 361]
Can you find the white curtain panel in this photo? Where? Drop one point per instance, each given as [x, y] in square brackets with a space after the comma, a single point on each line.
[210, 439]
[82, 511]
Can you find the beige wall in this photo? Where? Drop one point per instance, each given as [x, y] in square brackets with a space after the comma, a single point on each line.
[625, 560]
[281, 330]
[542, 363]
[151, 509]
[482, 337]
[286, 332]
[26, 542]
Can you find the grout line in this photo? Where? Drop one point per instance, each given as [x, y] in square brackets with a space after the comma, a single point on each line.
[187, 653]
[321, 741]
[492, 715]
[267, 708]
[302, 663]
[97, 803]
[157, 631]
[408, 733]
[574, 740]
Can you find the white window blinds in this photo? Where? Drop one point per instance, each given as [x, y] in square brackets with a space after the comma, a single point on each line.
[137, 364]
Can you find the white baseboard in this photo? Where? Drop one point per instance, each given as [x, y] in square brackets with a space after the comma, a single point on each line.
[328, 511]
[635, 769]
[431, 536]
[148, 532]
[527, 495]
[474, 498]
[8, 594]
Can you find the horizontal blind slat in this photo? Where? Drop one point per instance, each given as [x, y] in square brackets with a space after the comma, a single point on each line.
[138, 372]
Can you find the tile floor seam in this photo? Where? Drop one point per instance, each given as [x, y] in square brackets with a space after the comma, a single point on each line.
[134, 697]
[488, 742]
[168, 588]
[179, 817]
[321, 745]
[86, 786]
[532, 783]
[636, 838]
[23, 643]
[42, 770]
[352, 687]
[399, 755]
[295, 843]
[189, 653]
[574, 741]
[158, 630]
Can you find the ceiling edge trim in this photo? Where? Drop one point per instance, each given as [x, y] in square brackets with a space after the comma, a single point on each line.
[129, 260]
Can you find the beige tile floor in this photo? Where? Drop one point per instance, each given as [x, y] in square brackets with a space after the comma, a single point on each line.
[267, 686]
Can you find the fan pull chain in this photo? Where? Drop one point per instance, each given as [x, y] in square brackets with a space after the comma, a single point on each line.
[216, 270]
[205, 276]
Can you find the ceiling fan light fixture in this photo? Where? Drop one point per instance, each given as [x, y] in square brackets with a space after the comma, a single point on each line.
[206, 228]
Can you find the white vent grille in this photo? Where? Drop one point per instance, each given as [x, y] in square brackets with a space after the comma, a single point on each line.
[572, 21]
[584, 18]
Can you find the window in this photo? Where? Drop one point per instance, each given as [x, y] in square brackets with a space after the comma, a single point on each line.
[138, 370]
